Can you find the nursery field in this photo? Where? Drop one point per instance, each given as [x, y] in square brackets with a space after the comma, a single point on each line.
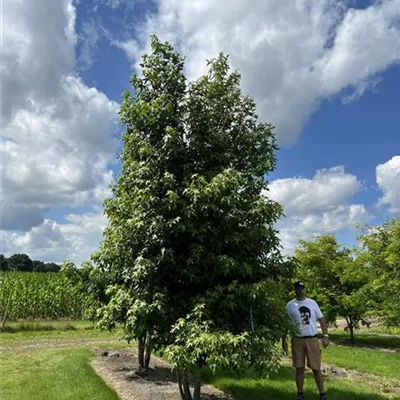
[57, 360]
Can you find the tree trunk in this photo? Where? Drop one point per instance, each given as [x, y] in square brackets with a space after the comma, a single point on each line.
[180, 384]
[352, 333]
[141, 350]
[351, 323]
[285, 345]
[197, 381]
[147, 354]
[186, 386]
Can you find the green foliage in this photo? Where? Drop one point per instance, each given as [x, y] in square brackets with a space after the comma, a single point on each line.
[41, 295]
[22, 262]
[190, 221]
[380, 253]
[19, 262]
[199, 343]
[91, 283]
[3, 263]
[335, 278]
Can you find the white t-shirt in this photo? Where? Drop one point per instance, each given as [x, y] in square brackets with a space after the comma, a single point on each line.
[305, 313]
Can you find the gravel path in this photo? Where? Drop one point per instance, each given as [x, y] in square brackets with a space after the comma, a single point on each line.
[119, 369]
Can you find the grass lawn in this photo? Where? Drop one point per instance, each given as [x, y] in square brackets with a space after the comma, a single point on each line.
[371, 339]
[65, 373]
[281, 386]
[385, 330]
[365, 360]
[52, 374]
[16, 339]
[382, 377]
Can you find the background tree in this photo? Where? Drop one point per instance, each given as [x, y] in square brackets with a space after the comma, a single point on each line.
[91, 283]
[335, 278]
[380, 253]
[20, 262]
[190, 235]
[3, 263]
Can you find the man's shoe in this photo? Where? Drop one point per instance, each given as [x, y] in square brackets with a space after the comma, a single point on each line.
[300, 397]
[323, 397]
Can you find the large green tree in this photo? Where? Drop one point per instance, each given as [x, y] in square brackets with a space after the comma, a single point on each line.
[3, 263]
[20, 262]
[191, 232]
[336, 278]
[380, 253]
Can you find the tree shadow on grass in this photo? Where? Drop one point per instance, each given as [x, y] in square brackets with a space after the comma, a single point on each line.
[281, 386]
[259, 392]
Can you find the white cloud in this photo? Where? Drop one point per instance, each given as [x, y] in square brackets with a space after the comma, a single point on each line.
[52, 241]
[291, 54]
[388, 180]
[317, 206]
[88, 45]
[57, 132]
[328, 189]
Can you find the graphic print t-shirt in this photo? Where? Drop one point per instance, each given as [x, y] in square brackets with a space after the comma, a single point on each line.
[305, 313]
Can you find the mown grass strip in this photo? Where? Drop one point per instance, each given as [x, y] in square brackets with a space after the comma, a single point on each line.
[281, 386]
[387, 341]
[62, 325]
[35, 341]
[364, 360]
[52, 374]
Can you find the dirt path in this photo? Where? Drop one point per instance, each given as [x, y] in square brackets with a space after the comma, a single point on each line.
[56, 344]
[120, 370]
[387, 387]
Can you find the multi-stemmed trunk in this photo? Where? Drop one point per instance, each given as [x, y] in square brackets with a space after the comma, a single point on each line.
[184, 386]
[144, 352]
[351, 323]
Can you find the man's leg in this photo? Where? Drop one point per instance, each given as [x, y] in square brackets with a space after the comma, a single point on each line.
[319, 380]
[300, 379]
[298, 358]
[314, 363]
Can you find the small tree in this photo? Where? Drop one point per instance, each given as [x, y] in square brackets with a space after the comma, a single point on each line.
[191, 236]
[336, 278]
[380, 253]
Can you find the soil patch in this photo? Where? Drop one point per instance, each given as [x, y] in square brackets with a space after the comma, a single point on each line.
[120, 370]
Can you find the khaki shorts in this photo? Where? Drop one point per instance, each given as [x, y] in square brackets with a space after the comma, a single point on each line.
[303, 348]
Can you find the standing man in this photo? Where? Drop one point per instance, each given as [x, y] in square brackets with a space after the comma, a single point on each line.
[305, 345]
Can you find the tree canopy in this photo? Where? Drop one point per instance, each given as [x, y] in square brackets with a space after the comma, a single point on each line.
[380, 253]
[336, 278]
[191, 233]
[22, 262]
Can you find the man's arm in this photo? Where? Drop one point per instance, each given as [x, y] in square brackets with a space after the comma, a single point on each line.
[324, 327]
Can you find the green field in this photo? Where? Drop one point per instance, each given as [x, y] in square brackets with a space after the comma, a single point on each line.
[55, 364]
[46, 295]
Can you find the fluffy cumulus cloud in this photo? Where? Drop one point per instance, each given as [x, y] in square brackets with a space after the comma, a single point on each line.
[57, 133]
[318, 205]
[388, 180]
[291, 54]
[51, 241]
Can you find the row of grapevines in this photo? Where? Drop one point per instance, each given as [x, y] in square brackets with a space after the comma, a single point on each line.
[41, 295]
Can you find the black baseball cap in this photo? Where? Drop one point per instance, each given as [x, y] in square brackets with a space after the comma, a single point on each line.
[299, 285]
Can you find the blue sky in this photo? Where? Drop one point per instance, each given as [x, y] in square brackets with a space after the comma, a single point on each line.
[326, 73]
